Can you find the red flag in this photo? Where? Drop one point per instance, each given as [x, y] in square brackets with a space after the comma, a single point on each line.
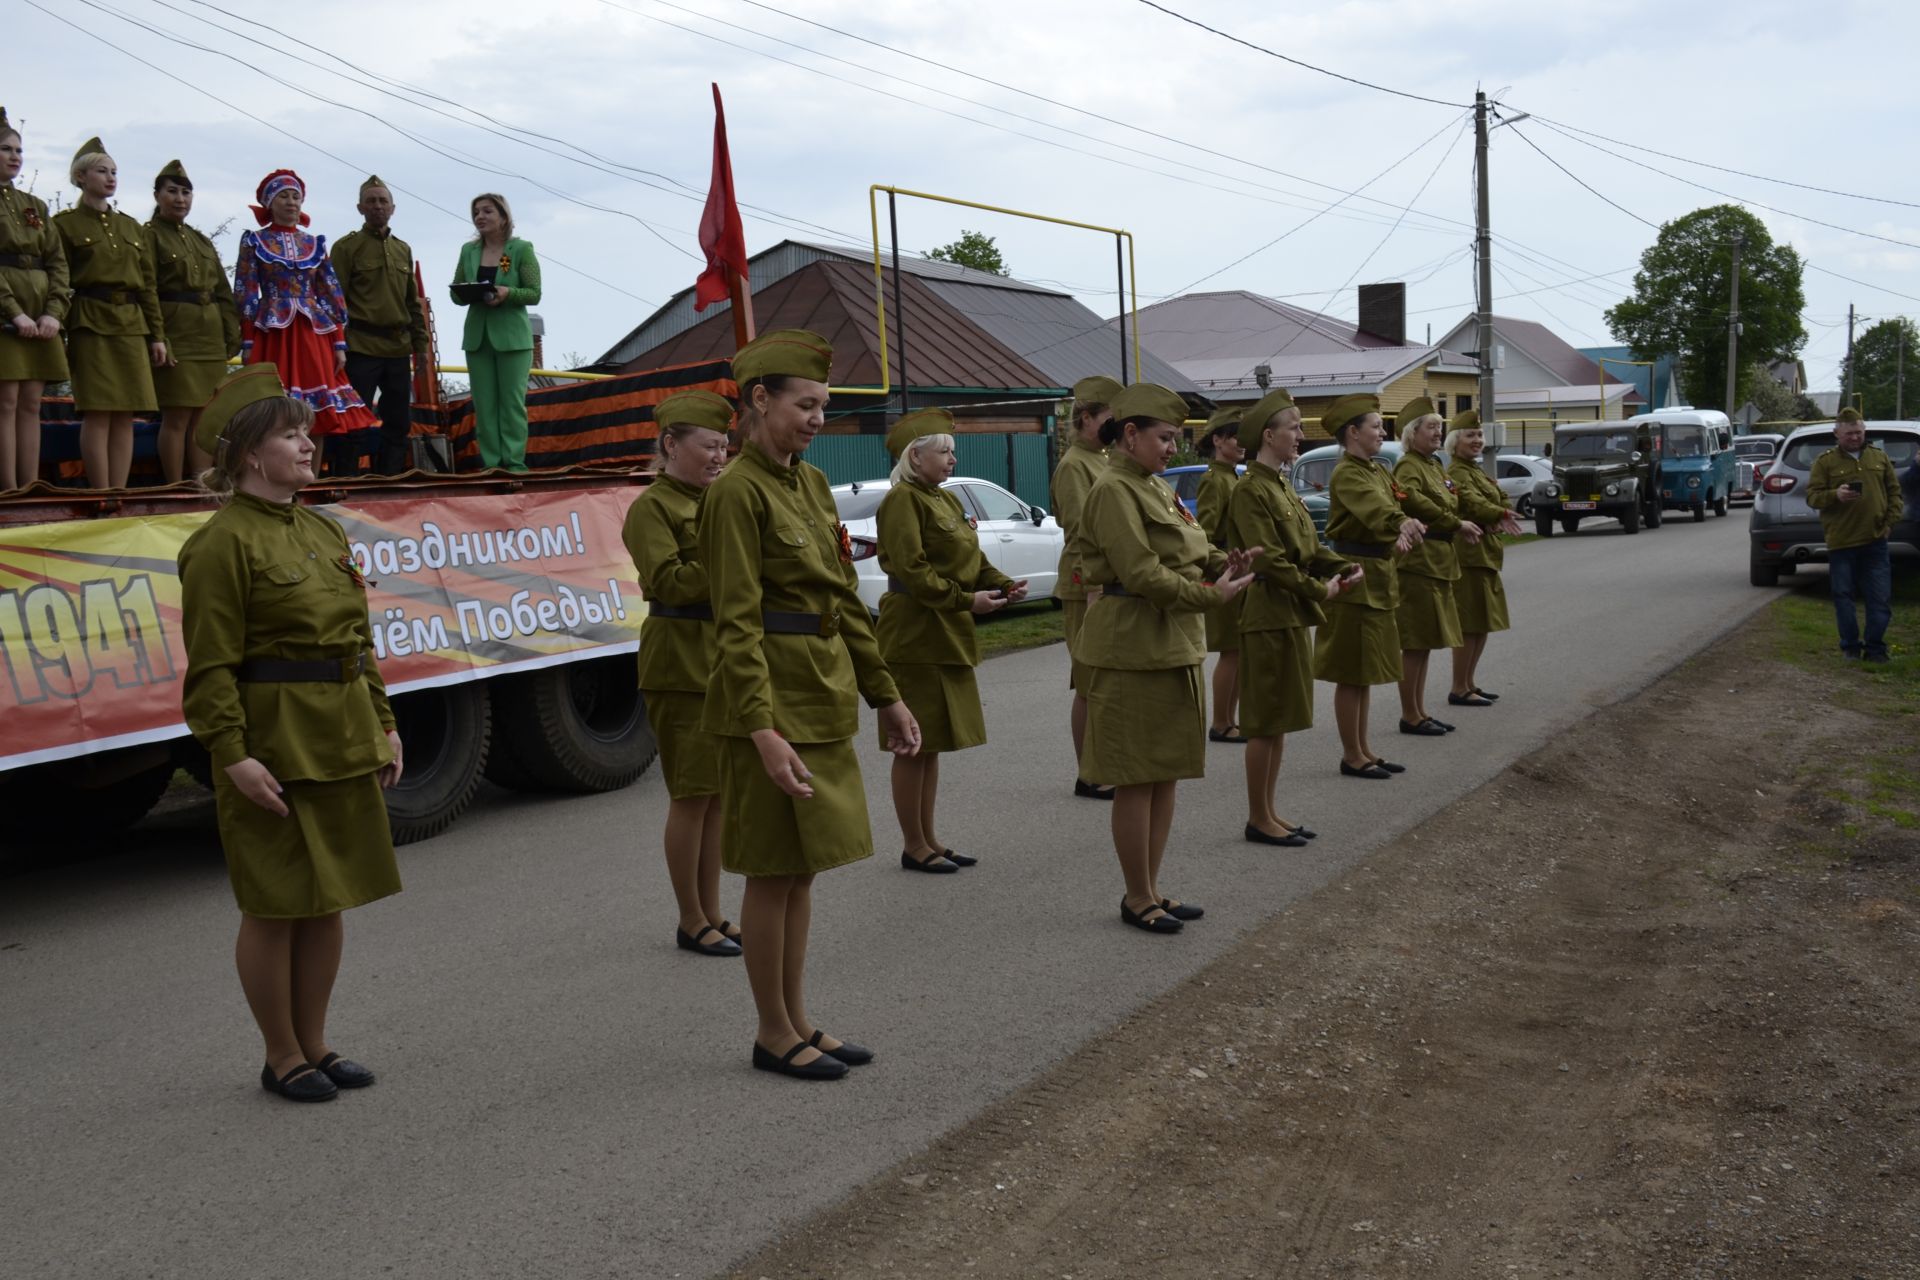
[721, 235]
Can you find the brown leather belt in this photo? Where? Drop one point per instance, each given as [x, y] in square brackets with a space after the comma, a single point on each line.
[773, 622]
[23, 261]
[1440, 537]
[198, 299]
[1371, 550]
[100, 293]
[691, 612]
[284, 671]
[1114, 589]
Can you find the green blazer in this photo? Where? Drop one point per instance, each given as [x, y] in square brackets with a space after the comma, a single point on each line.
[505, 327]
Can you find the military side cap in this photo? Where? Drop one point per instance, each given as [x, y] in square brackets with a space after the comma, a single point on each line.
[1224, 417]
[1253, 423]
[246, 385]
[174, 172]
[921, 422]
[92, 146]
[694, 408]
[1149, 400]
[374, 180]
[1097, 389]
[1348, 409]
[793, 353]
[1465, 420]
[1415, 409]
[1848, 414]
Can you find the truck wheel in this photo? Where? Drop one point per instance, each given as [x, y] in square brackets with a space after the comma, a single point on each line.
[1524, 507]
[1569, 524]
[577, 727]
[1720, 505]
[1700, 512]
[66, 801]
[443, 732]
[1655, 514]
[1630, 518]
[1543, 524]
[1760, 573]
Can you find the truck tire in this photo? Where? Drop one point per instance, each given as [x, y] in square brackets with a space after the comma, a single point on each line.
[1569, 524]
[580, 727]
[1543, 524]
[1760, 573]
[1720, 505]
[1630, 518]
[444, 733]
[1655, 514]
[1700, 511]
[60, 802]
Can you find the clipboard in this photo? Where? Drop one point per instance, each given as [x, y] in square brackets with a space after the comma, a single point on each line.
[472, 292]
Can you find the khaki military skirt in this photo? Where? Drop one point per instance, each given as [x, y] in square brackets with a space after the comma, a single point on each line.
[1276, 682]
[689, 755]
[1427, 617]
[1482, 600]
[110, 374]
[31, 359]
[332, 851]
[189, 384]
[945, 698]
[766, 832]
[1223, 626]
[1357, 645]
[1145, 726]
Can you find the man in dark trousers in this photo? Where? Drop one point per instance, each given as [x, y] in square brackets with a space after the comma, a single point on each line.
[1856, 492]
[386, 325]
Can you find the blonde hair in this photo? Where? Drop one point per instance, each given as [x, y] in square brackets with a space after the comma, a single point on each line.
[1458, 434]
[250, 425]
[83, 163]
[499, 202]
[1407, 430]
[904, 469]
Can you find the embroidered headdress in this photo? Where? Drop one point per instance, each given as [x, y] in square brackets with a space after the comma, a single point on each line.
[272, 185]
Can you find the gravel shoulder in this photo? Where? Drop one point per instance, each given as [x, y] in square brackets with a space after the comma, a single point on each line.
[1644, 1005]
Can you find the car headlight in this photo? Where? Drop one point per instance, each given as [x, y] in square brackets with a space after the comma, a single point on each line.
[1553, 491]
[1693, 482]
[1613, 491]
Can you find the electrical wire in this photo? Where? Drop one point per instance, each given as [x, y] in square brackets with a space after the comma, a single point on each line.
[1594, 191]
[1865, 284]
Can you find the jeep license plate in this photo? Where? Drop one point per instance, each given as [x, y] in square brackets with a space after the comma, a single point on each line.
[1579, 506]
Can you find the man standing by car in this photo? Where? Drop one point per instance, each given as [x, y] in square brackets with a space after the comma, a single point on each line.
[386, 325]
[1855, 490]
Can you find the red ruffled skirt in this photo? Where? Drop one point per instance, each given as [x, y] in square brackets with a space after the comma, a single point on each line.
[305, 360]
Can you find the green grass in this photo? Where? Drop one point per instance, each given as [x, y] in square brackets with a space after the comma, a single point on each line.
[1020, 626]
[1805, 636]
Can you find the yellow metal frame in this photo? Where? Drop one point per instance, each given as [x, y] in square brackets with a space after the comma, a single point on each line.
[879, 284]
[1600, 410]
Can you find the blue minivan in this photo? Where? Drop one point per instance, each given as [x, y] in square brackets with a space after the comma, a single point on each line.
[1694, 458]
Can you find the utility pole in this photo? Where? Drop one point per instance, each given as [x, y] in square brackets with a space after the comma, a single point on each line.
[1733, 331]
[1900, 374]
[1483, 250]
[1846, 391]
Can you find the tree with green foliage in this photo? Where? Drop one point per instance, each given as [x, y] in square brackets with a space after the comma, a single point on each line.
[1884, 357]
[1683, 289]
[1773, 398]
[973, 249]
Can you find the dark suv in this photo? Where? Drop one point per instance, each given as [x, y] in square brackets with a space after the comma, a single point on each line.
[1599, 469]
[1785, 532]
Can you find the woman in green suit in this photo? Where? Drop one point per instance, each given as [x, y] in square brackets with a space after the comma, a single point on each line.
[1479, 593]
[1427, 616]
[794, 656]
[1220, 446]
[33, 302]
[498, 339]
[676, 655]
[1359, 645]
[203, 322]
[936, 580]
[1143, 643]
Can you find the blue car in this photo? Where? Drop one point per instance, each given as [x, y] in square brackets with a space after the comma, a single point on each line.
[1186, 483]
[1696, 463]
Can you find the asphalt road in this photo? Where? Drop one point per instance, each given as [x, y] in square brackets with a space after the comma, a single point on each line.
[563, 1093]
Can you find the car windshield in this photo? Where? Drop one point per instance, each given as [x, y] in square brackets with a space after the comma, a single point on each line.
[1900, 446]
[1754, 448]
[1686, 442]
[1592, 444]
[858, 504]
[1311, 477]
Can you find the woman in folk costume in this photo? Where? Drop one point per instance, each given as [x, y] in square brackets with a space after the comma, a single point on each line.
[293, 314]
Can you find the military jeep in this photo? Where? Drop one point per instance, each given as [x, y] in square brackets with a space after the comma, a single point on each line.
[1600, 469]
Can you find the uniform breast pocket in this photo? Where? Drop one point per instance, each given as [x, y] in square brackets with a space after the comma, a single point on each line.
[293, 580]
[787, 543]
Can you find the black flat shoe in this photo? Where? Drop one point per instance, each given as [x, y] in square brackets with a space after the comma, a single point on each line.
[851, 1054]
[1162, 923]
[1229, 734]
[1091, 790]
[1478, 692]
[1303, 831]
[824, 1067]
[1444, 726]
[1388, 765]
[935, 865]
[1373, 771]
[1181, 910]
[1475, 699]
[1291, 841]
[302, 1083]
[959, 859]
[731, 930]
[1425, 729]
[691, 942]
[344, 1072]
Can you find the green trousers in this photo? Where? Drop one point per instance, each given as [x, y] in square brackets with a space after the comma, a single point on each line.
[499, 382]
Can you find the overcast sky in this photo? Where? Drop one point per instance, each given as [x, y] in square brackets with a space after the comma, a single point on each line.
[1785, 91]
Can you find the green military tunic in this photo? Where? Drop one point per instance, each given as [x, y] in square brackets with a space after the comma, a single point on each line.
[115, 312]
[1282, 604]
[676, 643]
[202, 322]
[771, 541]
[1866, 519]
[1073, 479]
[1480, 595]
[384, 314]
[33, 283]
[1142, 646]
[265, 580]
[934, 565]
[1359, 644]
[1427, 617]
[1212, 501]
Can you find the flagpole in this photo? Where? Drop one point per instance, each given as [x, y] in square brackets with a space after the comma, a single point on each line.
[742, 299]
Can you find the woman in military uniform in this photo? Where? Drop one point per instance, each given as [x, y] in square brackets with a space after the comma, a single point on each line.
[1481, 598]
[282, 691]
[1359, 645]
[1143, 643]
[795, 653]
[1080, 465]
[1293, 576]
[936, 580]
[676, 656]
[115, 332]
[203, 325]
[33, 298]
[1220, 446]
[1427, 617]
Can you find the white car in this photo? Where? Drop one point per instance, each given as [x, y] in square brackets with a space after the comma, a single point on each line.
[1019, 540]
[1516, 474]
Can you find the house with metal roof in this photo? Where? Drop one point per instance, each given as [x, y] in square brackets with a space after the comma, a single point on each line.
[1540, 379]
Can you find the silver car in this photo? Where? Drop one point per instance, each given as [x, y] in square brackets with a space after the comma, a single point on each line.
[1753, 455]
[1784, 532]
[1018, 539]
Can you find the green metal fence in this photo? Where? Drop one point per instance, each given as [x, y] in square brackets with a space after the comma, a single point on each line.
[1017, 462]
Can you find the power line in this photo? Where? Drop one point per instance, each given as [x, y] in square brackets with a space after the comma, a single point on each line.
[1865, 284]
[1595, 191]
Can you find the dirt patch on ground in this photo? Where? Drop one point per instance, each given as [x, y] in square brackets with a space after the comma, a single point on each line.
[1645, 1006]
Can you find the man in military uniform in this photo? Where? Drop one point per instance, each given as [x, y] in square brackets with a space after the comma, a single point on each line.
[386, 325]
[1857, 493]
[1081, 464]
